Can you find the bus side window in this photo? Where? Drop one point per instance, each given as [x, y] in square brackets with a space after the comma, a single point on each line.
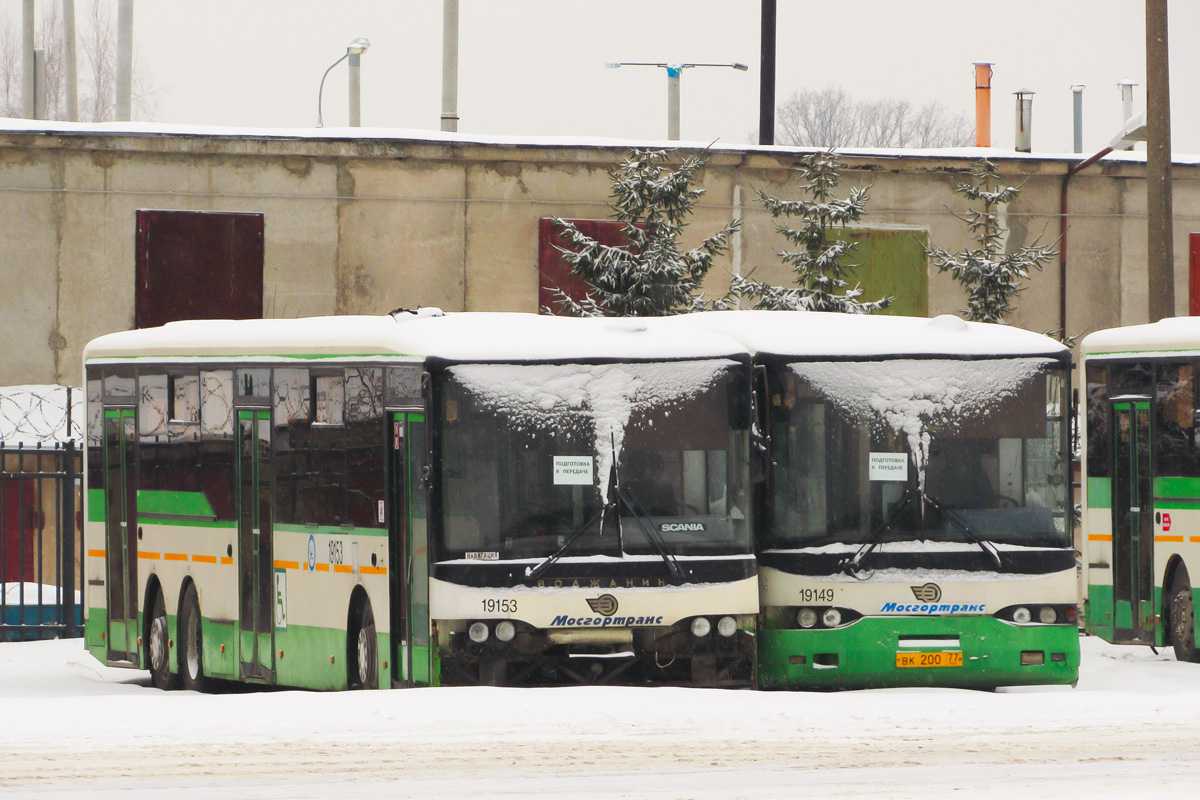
[1174, 439]
[1097, 422]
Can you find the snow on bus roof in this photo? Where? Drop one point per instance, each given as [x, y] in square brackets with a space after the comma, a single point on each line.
[458, 337]
[822, 334]
[1174, 334]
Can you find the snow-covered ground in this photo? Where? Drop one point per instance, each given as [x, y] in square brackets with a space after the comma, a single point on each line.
[71, 727]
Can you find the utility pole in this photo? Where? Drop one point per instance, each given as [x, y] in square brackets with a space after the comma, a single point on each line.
[69, 67]
[28, 103]
[766, 80]
[450, 65]
[124, 105]
[1160, 253]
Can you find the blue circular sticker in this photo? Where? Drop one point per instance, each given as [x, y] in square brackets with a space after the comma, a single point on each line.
[312, 553]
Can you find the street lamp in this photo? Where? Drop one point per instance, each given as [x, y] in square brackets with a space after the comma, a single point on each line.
[354, 52]
[673, 73]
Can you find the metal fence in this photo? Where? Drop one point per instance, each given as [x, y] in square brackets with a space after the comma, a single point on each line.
[41, 541]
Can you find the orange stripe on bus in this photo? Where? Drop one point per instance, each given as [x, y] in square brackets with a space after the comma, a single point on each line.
[205, 559]
[1168, 538]
[342, 568]
[97, 553]
[226, 560]
[148, 555]
[287, 565]
[1195, 538]
[174, 556]
[373, 570]
[322, 568]
[1099, 537]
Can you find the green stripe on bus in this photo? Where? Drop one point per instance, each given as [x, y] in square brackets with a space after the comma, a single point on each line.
[95, 506]
[183, 504]
[1099, 493]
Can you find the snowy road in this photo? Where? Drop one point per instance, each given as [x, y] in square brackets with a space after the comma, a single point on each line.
[1131, 729]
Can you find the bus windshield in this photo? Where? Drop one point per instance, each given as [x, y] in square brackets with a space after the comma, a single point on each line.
[932, 449]
[527, 457]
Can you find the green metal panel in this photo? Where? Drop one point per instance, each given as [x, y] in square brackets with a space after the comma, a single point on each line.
[1099, 492]
[866, 654]
[892, 263]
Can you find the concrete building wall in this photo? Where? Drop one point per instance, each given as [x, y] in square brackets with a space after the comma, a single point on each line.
[368, 225]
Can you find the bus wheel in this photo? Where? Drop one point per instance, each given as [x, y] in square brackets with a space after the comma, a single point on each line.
[1183, 619]
[191, 656]
[160, 646]
[364, 666]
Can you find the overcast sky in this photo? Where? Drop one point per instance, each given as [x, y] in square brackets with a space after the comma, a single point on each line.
[536, 67]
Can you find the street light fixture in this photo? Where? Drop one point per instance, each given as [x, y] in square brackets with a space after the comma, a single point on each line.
[354, 51]
[673, 73]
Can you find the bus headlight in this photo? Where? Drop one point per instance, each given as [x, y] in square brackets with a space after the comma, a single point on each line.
[1047, 615]
[831, 618]
[478, 632]
[1021, 615]
[700, 627]
[807, 617]
[505, 631]
[727, 626]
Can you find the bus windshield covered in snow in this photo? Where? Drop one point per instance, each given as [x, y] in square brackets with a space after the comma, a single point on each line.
[936, 450]
[531, 454]
[912, 528]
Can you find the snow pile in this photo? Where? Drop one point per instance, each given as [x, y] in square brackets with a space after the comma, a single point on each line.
[536, 394]
[31, 594]
[35, 414]
[912, 396]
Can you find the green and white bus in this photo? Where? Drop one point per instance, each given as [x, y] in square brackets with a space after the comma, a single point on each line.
[420, 499]
[1141, 484]
[912, 528]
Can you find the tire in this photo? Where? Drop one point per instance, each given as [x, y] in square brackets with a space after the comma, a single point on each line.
[364, 661]
[191, 643]
[1183, 619]
[159, 646]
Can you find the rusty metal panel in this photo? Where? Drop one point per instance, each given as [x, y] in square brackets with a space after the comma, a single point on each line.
[198, 265]
[554, 272]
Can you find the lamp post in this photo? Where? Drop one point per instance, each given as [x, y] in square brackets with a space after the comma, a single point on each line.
[354, 52]
[674, 71]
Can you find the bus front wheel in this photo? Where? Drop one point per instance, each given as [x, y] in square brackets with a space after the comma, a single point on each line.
[364, 663]
[1183, 619]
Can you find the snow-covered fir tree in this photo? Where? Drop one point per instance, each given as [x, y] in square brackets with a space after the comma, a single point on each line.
[991, 276]
[818, 262]
[649, 275]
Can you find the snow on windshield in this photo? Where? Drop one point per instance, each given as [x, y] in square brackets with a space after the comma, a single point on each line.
[534, 394]
[913, 396]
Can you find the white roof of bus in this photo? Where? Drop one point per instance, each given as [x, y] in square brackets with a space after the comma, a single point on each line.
[465, 337]
[819, 334]
[1174, 334]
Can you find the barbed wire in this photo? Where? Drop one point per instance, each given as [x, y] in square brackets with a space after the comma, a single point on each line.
[32, 415]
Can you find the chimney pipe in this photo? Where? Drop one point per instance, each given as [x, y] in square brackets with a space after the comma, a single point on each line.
[1077, 91]
[1024, 120]
[983, 103]
[1126, 86]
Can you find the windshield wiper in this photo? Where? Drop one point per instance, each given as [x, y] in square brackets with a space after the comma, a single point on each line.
[532, 573]
[647, 525]
[876, 534]
[969, 530]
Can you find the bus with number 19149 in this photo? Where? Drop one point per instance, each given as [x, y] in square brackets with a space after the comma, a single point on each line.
[420, 499]
[913, 526]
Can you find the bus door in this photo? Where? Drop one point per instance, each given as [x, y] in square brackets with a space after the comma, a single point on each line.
[256, 568]
[120, 523]
[409, 567]
[1133, 521]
